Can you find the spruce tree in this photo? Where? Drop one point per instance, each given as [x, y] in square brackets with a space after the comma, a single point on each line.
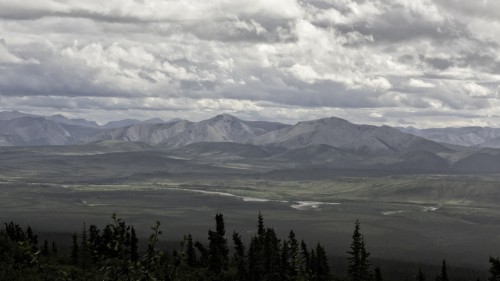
[443, 275]
[284, 261]
[256, 255]
[294, 256]
[260, 227]
[313, 264]
[96, 248]
[256, 266]
[355, 254]
[494, 269]
[322, 270]
[45, 249]
[32, 238]
[305, 261]
[84, 255]
[444, 272]
[106, 240]
[239, 258]
[239, 247]
[365, 273]
[218, 250]
[377, 274]
[358, 260]
[272, 254]
[420, 276]
[150, 260]
[190, 251]
[134, 255]
[203, 260]
[74, 250]
[54, 248]
[14, 232]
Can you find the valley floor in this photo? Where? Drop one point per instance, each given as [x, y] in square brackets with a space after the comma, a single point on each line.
[412, 218]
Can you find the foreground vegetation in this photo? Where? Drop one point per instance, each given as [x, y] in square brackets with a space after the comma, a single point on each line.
[112, 253]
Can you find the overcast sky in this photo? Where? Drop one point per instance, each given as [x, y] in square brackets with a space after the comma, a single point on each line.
[423, 63]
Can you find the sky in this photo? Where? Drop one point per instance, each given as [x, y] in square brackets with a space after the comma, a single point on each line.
[421, 63]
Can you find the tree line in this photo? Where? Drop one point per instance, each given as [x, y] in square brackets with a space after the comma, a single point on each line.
[113, 253]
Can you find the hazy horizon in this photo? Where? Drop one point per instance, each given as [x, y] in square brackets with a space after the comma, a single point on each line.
[104, 122]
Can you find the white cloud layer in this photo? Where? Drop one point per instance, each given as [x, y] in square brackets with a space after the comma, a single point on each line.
[417, 83]
[398, 62]
[6, 57]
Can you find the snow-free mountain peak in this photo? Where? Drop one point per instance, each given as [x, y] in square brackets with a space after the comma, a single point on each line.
[343, 134]
[223, 117]
[220, 128]
[154, 121]
[30, 130]
[325, 121]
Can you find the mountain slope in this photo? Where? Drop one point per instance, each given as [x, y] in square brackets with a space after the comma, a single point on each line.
[146, 133]
[226, 128]
[226, 150]
[221, 128]
[32, 131]
[420, 161]
[466, 136]
[79, 133]
[491, 143]
[321, 154]
[479, 162]
[342, 134]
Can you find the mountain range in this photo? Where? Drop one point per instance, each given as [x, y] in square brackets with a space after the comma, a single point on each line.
[19, 128]
[331, 142]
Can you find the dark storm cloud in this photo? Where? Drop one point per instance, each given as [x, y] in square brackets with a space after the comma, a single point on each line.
[397, 27]
[25, 15]
[50, 78]
[438, 63]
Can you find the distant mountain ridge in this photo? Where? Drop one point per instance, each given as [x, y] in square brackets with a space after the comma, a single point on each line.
[329, 143]
[334, 132]
[345, 135]
[32, 129]
[465, 136]
[221, 128]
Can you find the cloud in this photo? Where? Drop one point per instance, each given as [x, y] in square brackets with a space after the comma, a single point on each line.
[417, 83]
[6, 56]
[260, 59]
[475, 90]
[148, 10]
